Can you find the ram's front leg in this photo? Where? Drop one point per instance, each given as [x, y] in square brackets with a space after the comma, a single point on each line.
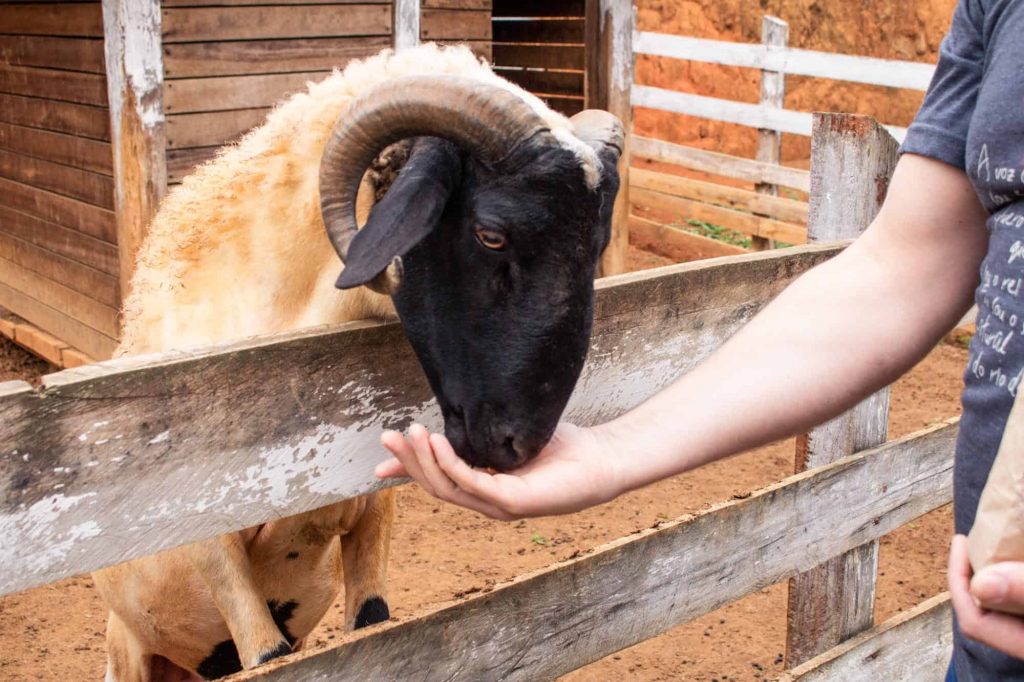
[224, 564]
[364, 551]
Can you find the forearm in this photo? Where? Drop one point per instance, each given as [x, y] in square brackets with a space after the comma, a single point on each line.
[842, 331]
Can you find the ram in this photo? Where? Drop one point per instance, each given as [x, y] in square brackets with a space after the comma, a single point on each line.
[491, 213]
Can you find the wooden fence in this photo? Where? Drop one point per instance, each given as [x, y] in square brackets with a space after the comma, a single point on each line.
[759, 213]
[110, 462]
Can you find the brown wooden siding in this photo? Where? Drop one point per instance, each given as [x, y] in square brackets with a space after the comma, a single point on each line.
[227, 63]
[539, 44]
[58, 253]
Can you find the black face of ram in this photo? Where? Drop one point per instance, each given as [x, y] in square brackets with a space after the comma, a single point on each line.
[497, 300]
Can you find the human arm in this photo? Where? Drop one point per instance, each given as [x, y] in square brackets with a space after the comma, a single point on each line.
[843, 330]
[999, 584]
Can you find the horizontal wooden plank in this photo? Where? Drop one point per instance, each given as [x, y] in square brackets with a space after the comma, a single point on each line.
[562, 617]
[914, 645]
[191, 95]
[112, 436]
[211, 128]
[540, 56]
[46, 346]
[682, 210]
[181, 162]
[797, 62]
[455, 24]
[71, 150]
[562, 31]
[567, 106]
[239, 57]
[719, 164]
[546, 82]
[57, 323]
[539, 8]
[247, 3]
[63, 19]
[63, 117]
[679, 245]
[63, 86]
[71, 244]
[49, 52]
[457, 4]
[92, 188]
[262, 22]
[787, 210]
[77, 215]
[740, 113]
[87, 281]
[87, 310]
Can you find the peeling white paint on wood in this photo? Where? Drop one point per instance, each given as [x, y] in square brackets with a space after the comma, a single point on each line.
[406, 24]
[194, 445]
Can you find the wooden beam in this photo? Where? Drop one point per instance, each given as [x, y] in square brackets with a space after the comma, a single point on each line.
[135, 75]
[796, 62]
[852, 159]
[406, 20]
[138, 455]
[774, 35]
[914, 645]
[560, 618]
[195, 24]
[685, 209]
[240, 57]
[609, 68]
[787, 210]
[720, 164]
[679, 245]
[728, 111]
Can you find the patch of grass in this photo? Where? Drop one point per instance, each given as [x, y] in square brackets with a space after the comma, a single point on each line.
[717, 232]
[538, 539]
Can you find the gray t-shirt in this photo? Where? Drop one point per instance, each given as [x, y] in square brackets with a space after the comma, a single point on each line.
[973, 118]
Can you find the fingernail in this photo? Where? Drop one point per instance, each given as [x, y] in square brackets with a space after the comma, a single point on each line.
[990, 587]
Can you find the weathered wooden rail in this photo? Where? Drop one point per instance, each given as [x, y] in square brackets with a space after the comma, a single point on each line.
[109, 462]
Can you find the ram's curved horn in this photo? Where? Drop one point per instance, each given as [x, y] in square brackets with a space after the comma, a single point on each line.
[598, 129]
[486, 120]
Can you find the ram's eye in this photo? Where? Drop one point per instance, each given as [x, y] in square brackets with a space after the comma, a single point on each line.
[491, 239]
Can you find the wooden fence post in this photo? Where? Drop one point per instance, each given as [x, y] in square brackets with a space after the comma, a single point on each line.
[852, 160]
[774, 34]
[135, 81]
[609, 81]
[406, 31]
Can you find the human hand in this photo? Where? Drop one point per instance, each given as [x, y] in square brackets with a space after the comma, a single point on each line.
[575, 470]
[1000, 584]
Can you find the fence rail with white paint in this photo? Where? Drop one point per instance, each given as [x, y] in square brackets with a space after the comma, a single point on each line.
[109, 462]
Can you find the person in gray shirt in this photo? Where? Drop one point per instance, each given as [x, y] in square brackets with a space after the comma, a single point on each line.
[951, 229]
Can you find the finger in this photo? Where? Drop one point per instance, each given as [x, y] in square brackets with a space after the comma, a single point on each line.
[439, 483]
[392, 468]
[998, 630]
[1000, 584]
[480, 485]
[405, 452]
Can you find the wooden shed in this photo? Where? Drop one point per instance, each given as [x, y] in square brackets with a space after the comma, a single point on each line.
[103, 105]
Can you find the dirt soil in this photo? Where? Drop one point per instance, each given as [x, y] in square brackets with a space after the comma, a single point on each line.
[442, 553]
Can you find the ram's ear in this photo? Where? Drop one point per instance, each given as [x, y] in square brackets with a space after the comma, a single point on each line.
[405, 215]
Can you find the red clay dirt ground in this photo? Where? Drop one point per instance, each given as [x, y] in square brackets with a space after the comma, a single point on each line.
[440, 552]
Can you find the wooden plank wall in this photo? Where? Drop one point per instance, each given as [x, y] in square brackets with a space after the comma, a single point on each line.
[466, 22]
[58, 253]
[227, 63]
[539, 44]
